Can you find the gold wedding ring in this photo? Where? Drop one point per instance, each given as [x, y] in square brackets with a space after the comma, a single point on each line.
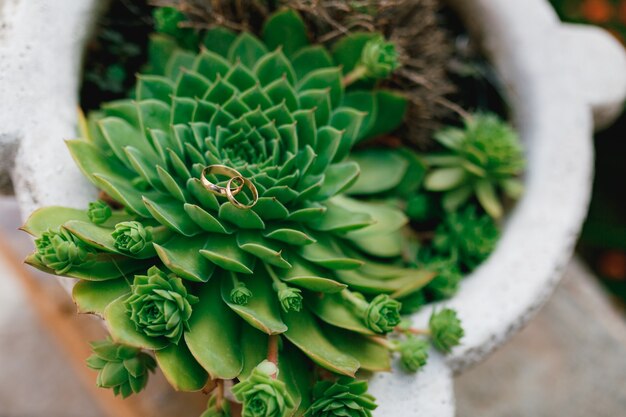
[235, 179]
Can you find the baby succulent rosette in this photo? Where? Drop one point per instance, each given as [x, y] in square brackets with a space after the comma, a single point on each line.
[313, 269]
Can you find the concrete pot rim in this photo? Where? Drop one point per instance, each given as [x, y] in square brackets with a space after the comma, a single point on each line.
[559, 79]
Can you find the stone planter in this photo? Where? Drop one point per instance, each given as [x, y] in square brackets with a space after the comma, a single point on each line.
[561, 80]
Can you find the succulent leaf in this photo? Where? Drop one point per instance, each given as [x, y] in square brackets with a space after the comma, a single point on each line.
[468, 236]
[332, 309]
[304, 332]
[382, 170]
[94, 297]
[167, 20]
[262, 310]
[379, 57]
[123, 369]
[180, 368]
[213, 320]
[287, 30]
[371, 355]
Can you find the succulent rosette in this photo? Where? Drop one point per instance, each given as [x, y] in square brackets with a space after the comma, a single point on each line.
[445, 329]
[413, 353]
[344, 397]
[485, 157]
[124, 369]
[466, 236]
[262, 394]
[305, 249]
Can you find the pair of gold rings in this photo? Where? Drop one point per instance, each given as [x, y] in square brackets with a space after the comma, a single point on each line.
[235, 184]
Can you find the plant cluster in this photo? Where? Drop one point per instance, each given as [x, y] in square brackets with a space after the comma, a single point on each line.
[292, 289]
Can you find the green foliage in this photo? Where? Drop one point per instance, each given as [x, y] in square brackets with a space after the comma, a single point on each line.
[383, 314]
[345, 397]
[167, 20]
[99, 212]
[413, 353]
[366, 57]
[485, 157]
[379, 58]
[160, 305]
[445, 329]
[215, 409]
[380, 315]
[318, 270]
[446, 282]
[61, 251]
[290, 299]
[131, 237]
[413, 302]
[421, 207]
[467, 236]
[262, 395]
[240, 294]
[122, 368]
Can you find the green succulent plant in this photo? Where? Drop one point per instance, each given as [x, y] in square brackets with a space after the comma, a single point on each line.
[160, 305]
[61, 251]
[485, 157]
[99, 212]
[413, 353]
[167, 20]
[312, 267]
[466, 236]
[131, 237]
[344, 397]
[445, 329]
[446, 283]
[124, 369]
[261, 394]
[378, 60]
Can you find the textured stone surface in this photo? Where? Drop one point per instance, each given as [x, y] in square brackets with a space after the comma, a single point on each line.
[40, 52]
[569, 361]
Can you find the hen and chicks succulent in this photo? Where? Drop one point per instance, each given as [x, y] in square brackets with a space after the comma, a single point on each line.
[315, 268]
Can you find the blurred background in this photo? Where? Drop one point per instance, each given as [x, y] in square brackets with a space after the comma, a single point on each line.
[568, 361]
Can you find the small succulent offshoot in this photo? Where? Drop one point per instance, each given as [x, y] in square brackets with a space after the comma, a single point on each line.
[240, 294]
[170, 21]
[344, 397]
[122, 368]
[160, 305]
[445, 329]
[131, 237]
[99, 212]
[380, 315]
[485, 157]
[379, 58]
[60, 251]
[262, 394]
[467, 236]
[413, 353]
